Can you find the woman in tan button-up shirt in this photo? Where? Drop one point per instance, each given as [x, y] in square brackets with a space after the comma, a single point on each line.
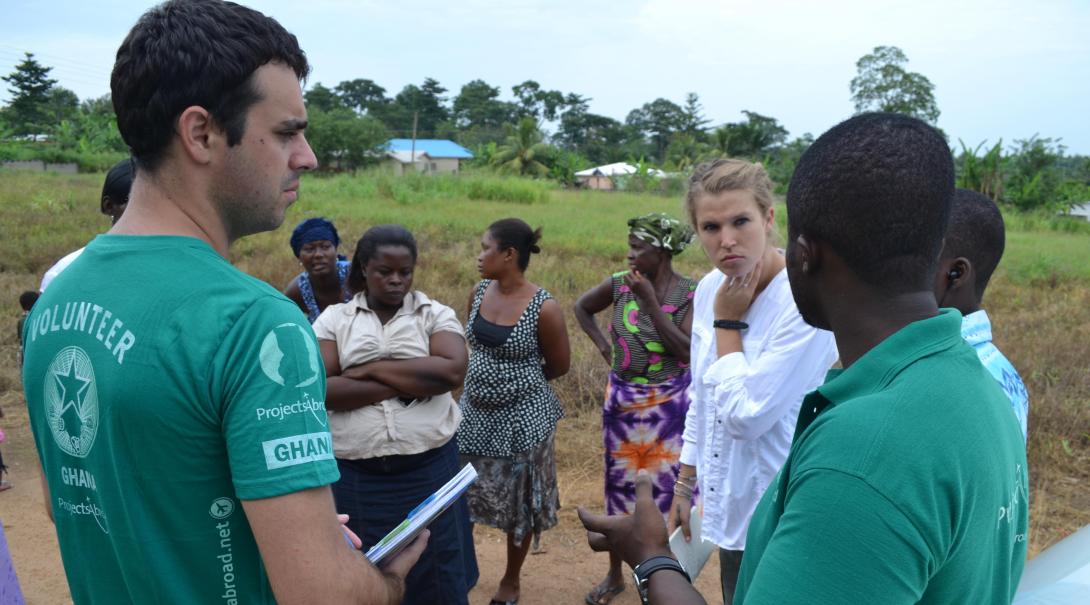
[392, 356]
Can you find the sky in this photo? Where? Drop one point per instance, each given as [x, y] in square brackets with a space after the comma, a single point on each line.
[1002, 69]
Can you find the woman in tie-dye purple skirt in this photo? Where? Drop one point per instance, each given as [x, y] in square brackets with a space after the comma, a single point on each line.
[647, 347]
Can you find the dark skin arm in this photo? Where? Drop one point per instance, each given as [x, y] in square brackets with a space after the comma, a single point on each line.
[552, 333]
[592, 302]
[638, 537]
[343, 394]
[676, 340]
[292, 292]
[438, 373]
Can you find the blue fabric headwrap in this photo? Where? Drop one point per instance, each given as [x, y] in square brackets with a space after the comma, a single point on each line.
[313, 230]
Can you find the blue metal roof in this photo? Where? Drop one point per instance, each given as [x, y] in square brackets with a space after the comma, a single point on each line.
[436, 148]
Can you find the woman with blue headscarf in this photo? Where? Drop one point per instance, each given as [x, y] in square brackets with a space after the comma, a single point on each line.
[322, 282]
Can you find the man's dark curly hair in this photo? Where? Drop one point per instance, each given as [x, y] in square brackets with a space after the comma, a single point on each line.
[877, 189]
[194, 52]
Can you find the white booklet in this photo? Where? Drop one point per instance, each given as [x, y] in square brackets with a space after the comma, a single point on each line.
[694, 554]
[419, 518]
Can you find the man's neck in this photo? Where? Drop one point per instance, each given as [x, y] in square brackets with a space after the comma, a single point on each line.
[162, 204]
[969, 308]
[870, 319]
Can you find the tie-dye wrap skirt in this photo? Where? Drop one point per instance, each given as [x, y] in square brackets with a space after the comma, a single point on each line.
[642, 426]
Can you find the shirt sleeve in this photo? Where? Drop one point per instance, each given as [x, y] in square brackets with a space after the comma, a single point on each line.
[270, 387]
[753, 397]
[443, 319]
[838, 541]
[324, 326]
[690, 449]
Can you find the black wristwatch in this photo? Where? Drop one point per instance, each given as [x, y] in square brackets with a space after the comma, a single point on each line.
[729, 324]
[641, 574]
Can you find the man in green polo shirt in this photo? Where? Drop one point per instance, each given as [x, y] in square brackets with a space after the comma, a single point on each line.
[906, 481]
[177, 404]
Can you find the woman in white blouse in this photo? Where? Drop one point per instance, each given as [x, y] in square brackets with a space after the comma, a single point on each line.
[753, 359]
[392, 355]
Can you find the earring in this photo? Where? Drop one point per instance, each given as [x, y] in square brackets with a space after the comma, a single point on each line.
[805, 266]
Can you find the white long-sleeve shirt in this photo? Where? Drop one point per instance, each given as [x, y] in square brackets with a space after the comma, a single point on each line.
[744, 405]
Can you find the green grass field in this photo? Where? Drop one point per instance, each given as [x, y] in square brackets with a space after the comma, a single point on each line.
[1039, 299]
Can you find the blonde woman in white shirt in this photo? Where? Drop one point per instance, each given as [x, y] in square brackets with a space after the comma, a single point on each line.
[753, 359]
[392, 355]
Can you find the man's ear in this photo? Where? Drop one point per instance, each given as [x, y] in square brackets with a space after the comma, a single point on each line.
[198, 134]
[959, 273]
[808, 254]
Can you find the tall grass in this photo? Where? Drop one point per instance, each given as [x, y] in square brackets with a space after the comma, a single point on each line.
[1039, 300]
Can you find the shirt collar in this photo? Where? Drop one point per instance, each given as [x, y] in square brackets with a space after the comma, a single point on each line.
[411, 304]
[878, 367]
[976, 328]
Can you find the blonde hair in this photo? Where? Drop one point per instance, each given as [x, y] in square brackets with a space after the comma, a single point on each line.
[716, 176]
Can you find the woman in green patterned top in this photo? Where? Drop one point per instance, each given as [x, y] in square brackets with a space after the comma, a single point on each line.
[646, 400]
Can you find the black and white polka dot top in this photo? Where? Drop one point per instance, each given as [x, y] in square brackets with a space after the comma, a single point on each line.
[507, 405]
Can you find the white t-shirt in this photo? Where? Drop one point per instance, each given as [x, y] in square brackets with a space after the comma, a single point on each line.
[57, 268]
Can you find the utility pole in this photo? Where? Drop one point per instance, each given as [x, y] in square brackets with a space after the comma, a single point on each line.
[412, 154]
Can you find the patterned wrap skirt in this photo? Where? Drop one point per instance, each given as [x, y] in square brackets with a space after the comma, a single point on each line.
[642, 427]
[517, 495]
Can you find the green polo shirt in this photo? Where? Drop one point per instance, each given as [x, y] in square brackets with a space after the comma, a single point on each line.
[906, 483]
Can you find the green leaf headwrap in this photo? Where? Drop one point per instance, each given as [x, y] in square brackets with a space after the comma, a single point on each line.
[661, 231]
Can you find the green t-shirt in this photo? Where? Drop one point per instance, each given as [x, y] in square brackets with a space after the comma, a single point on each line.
[164, 385]
[906, 483]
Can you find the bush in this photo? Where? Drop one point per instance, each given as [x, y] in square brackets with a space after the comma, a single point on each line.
[49, 153]
[421, 188]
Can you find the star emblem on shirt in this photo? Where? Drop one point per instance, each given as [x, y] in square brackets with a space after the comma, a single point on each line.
[72, 389]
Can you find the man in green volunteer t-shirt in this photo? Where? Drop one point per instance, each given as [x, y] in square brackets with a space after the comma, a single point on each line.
[177, 404]
[906, 481]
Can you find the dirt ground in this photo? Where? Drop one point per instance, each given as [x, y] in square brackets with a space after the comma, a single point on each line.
[563, 573]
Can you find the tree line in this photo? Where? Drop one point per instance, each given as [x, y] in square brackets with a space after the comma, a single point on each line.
[538, 132]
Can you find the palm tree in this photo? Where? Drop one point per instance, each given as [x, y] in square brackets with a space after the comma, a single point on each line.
[524, 149]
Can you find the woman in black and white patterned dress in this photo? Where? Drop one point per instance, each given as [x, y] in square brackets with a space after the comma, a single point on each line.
[509, 412]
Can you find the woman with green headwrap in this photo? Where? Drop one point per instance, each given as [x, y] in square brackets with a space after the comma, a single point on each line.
[646, 400]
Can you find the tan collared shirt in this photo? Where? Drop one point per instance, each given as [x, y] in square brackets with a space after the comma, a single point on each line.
[389, 428]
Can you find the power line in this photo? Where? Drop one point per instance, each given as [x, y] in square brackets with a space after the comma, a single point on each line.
[59, 68]
[50, 58]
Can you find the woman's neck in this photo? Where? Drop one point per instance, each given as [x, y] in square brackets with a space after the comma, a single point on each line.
[385, 312]
[772, 262]
[331, 280]
[663, 275]
[511, 282]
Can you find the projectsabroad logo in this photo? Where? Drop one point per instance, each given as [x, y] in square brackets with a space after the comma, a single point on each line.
[275, 363]
[280, 359]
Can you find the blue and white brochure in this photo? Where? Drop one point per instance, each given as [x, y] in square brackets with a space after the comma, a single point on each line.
[425, 512]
